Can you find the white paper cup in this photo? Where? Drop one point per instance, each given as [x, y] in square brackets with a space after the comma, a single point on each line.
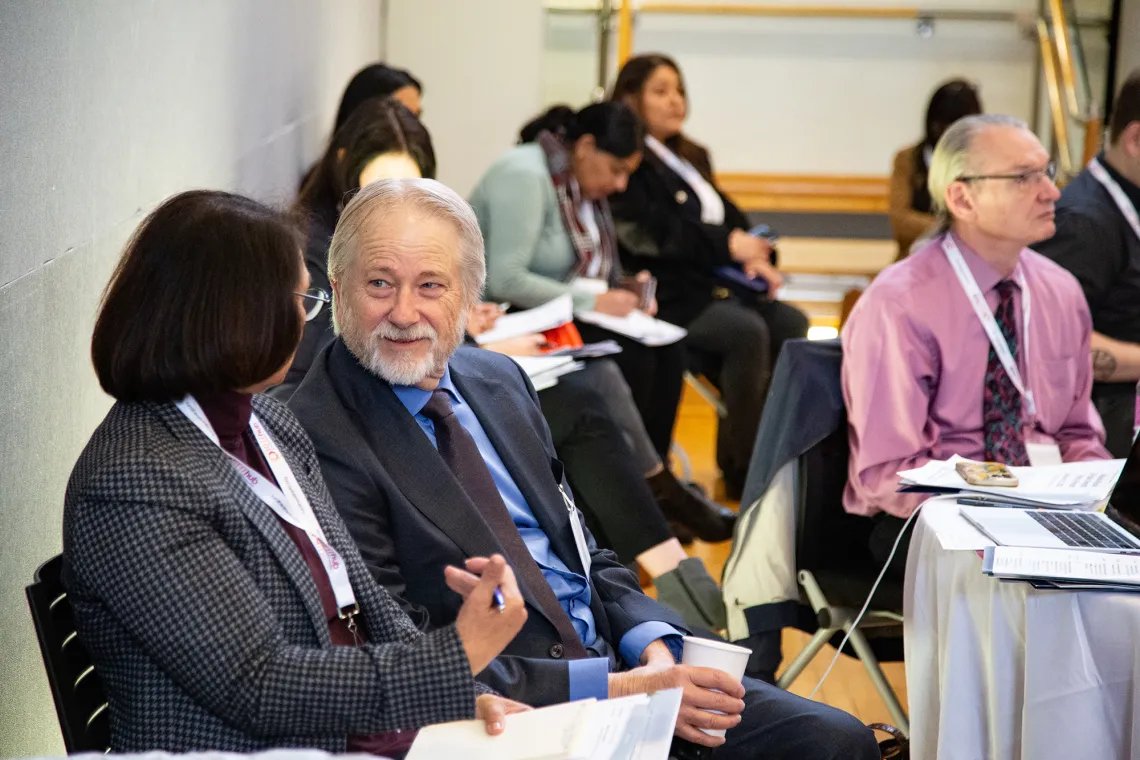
[719, 655]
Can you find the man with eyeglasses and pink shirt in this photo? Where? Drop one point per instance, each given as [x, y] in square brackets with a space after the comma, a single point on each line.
[973, 345]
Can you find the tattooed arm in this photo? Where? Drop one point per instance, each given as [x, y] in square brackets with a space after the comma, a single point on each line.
[1114, 361]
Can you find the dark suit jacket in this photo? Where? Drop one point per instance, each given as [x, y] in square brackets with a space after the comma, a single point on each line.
[659, 228]
[411, 518]
[202, 617]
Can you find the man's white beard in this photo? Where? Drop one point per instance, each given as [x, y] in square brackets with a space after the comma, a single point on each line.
[403, 370]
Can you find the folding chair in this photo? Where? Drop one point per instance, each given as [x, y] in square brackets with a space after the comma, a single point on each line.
[835, 571]
[80, 702]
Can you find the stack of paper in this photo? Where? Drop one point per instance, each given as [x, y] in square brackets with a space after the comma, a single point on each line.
[637, 325]
[1064, 568]
[539, 319]
[544, 371]
[630, 728]
[1072, 484]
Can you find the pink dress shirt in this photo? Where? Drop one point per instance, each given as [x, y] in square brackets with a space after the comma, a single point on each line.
[914, 365]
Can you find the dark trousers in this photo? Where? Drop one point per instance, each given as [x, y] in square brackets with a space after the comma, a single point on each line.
[608, 486]
[1116, 403]
[654, 376]
[778, 725]
[743, 342]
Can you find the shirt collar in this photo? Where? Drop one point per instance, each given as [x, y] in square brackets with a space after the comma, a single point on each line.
[1130, 189]
[415, 399]
[985, 275]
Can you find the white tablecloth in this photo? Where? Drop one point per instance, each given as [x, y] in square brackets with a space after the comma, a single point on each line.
[1001, 670]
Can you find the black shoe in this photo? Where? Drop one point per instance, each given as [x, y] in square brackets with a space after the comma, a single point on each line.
[709, 521]
[681, 533]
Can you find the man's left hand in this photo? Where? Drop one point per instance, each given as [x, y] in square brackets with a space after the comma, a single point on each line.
[493, 711]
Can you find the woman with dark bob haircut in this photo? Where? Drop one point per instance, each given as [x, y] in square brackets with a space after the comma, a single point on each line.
[218, 592]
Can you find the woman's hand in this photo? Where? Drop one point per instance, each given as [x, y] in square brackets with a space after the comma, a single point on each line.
[763, 269]
[484, 628]
[616, 303]
[745, 248]
[481, 318]
[493, 710]
[523, 345]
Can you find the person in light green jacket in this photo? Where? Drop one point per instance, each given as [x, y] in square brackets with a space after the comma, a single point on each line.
[548, 231]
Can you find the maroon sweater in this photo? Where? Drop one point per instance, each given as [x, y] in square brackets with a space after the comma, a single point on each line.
[229, 415]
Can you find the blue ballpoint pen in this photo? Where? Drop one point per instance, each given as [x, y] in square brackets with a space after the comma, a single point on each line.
[497, 598]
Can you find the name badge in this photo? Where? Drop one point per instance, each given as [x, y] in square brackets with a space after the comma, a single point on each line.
[1043, 454]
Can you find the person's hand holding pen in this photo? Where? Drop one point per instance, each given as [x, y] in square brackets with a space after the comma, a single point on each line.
[493, 610]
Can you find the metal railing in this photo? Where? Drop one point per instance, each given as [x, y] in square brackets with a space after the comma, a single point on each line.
[1065, 78]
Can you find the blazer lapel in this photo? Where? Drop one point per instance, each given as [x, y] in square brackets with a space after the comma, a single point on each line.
[419, 473]
[526, 458]
[255, 511]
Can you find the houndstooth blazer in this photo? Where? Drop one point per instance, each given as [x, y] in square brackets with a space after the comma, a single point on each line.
[204, 621]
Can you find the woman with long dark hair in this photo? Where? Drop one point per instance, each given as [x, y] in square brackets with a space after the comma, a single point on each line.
[911, 211]
[673, 221]
[382, 139]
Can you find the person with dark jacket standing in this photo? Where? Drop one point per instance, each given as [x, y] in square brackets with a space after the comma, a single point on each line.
[222, 599]
[673, 221]
[1098, 240]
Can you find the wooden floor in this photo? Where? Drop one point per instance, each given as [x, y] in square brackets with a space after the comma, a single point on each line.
[848, 687]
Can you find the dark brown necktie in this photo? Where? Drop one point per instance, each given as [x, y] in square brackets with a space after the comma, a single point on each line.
[461, 454]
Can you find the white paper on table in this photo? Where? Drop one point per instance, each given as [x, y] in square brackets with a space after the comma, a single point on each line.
[637, 325]
[1062, 564]
[638, 727]
[1071, 483]
[954, 532]
[546, 317]
[544, 371]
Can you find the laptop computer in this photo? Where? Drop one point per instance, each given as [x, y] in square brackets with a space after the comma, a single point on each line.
[1116, 529]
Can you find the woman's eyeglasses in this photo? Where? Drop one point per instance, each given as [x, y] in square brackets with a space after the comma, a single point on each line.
[314, 299]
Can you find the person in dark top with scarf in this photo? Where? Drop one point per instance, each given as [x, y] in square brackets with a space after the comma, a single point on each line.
[548, 231]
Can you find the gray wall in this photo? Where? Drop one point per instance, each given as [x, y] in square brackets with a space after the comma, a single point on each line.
[106, 108]
[1128, 54]
[481, 65]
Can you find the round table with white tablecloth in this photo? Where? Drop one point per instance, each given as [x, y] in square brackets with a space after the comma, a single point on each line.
[1000, 670]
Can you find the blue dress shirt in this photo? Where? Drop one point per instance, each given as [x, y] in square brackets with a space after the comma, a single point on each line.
[588, 677]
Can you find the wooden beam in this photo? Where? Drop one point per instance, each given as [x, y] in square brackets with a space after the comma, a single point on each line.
[856, 194]
[772, 10]
[625, 33]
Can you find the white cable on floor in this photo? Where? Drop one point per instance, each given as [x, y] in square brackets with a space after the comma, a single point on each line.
[866, 604]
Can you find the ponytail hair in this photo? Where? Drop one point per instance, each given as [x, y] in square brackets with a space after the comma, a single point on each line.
[614, 127]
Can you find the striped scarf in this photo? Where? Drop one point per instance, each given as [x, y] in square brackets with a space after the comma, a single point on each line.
[566, 189]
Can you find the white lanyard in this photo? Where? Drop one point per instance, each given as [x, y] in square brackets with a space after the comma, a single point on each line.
[1101, 175]
[576, 529]
[712, 205]
[986, 317]
[288, 502]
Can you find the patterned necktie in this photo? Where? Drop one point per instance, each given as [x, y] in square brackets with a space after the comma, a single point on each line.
[1001, 401]
[462, 456]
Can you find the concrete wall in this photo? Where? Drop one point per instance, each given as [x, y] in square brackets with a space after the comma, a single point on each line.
[481, 66]
[819, 96]
[1128, 52]
[106, 108]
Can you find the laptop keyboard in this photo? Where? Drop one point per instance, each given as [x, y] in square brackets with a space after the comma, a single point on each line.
[1081, 530]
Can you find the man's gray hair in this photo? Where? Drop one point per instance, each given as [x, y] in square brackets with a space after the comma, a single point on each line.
[952, 160]
[427, 196]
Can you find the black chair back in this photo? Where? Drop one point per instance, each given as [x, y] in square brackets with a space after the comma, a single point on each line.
[80, 702]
